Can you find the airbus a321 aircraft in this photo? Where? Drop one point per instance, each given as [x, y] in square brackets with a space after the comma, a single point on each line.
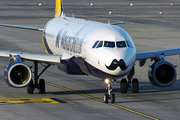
[82, 47]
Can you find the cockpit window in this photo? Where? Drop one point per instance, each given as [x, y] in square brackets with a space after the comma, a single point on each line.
[121, 44]
[109, 44]
[95, 44]
[129, 44]
[100, 44]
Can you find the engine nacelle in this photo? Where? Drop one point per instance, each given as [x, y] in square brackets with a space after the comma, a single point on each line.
[162, 74]
[17, 75]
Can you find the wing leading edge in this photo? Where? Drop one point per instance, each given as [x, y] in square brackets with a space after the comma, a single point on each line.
[45, 58]
[154, 54]
[22, 27]
[143, 56]
[117, 23]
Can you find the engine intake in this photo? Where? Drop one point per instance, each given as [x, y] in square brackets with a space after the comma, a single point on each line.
[17, 74]
[162, 74]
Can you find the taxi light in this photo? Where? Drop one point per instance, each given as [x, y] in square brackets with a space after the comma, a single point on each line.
[106, 81]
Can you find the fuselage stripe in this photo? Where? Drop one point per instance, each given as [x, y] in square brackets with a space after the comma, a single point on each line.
[47, 49]
[74, 23]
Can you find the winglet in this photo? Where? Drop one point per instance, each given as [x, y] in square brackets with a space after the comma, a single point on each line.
[59, 8]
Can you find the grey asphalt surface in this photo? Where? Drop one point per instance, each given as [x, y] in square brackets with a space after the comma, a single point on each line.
[148, 29]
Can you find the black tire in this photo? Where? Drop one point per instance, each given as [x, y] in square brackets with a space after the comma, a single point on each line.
[41, 86]
[106, 97]
[123, 86]
[135, 85]
[30, 87]
[112, 98]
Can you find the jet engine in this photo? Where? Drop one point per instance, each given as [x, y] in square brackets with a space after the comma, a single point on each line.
[162, 74]
[17, 75]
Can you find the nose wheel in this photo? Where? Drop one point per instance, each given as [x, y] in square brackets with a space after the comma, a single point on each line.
[109, 96]
[106, 98]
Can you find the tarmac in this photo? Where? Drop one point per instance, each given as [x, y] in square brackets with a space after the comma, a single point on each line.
[153, 25]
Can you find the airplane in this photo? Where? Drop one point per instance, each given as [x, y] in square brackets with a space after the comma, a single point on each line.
[83, 47]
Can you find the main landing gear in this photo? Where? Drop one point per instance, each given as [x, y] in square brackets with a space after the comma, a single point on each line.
[132, 83]
[36, 82]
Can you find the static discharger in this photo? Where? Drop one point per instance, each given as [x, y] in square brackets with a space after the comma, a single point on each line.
[91, 4]
[131, 4]
[110, 12]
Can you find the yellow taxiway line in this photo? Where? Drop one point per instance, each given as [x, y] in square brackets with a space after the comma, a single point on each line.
[27, 100]
[97, 99]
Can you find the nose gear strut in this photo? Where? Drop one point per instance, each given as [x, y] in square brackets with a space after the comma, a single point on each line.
[108, 95]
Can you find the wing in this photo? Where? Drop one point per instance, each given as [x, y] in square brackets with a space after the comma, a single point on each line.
[143, 56]
[22, 27]
[117, 23]
[44, 58]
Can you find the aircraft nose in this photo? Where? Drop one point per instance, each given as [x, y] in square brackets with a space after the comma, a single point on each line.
[119, 60]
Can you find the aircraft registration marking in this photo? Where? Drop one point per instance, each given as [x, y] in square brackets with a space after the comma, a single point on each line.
[28, 101]
[97, 99]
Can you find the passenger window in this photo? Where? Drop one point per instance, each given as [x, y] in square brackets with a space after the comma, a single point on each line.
[100, 44]
[109, 44]
[121, 44]
[95, 44]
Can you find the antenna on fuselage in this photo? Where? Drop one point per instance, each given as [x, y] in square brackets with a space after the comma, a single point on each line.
[73, 15]
[108, 21]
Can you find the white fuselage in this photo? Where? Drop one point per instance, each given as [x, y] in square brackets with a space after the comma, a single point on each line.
[103, 50]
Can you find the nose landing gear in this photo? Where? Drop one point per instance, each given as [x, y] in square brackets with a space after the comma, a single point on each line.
[109, 96]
